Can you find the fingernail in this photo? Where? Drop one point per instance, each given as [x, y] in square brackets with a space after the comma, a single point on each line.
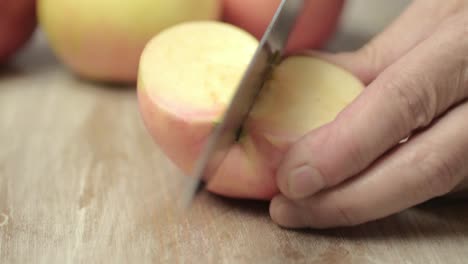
[304, 181]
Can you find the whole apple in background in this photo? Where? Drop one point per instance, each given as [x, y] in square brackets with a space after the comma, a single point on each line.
[187, 76]
[315, 26]
[17, 24]
[102, 39]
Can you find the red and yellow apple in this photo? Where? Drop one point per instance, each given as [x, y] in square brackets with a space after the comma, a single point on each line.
[17, 25]
[103, 39]
[315, 26]
[187, 76]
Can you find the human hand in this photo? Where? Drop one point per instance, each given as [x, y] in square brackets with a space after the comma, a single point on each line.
[357, 169]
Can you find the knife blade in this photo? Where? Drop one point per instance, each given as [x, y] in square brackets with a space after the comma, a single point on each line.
[226, 133]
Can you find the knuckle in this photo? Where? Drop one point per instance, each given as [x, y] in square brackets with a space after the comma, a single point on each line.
[306, 147]
[355, 152]
[347, 213]
[440, 176]
[458, 21]
[371, 54]
[460, 4]
[311, 145]
[462, 73]
[455, 30]
[417, 100]
[350, 158]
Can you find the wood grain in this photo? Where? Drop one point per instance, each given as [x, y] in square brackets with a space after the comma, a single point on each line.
[82, 182]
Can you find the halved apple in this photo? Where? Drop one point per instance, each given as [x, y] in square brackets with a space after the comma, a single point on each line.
[189, 72]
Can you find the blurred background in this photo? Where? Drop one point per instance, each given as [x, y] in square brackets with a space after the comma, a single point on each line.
[103, 41]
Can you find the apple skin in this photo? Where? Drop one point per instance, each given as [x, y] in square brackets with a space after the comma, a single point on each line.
[246, 169]
[17, 24]
[315, 25]
[103, 40]
[188, 74]
[249, 168]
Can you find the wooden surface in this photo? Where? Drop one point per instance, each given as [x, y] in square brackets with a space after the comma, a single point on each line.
[82, 182]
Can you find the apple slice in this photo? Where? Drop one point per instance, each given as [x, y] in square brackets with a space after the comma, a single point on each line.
[189, 72]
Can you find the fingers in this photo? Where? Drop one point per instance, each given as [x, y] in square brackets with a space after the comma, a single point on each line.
[414, 25]
[404, 98]
[430, 164]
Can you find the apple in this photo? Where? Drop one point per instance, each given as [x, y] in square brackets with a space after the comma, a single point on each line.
[103, 40]
[188, 73]
[17, 25]
[316, 23]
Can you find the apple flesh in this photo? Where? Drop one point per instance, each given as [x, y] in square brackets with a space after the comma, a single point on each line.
[189, 72]
[103, 40]
[17, 24]
[315, 25]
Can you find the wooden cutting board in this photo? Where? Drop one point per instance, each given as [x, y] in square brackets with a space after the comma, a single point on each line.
[82, 182]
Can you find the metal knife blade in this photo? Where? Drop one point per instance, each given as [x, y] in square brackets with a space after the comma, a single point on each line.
[225, 134]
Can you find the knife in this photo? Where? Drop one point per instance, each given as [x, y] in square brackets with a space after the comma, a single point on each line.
[225, 134]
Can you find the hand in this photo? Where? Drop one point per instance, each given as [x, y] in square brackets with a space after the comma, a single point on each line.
[356, 168]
